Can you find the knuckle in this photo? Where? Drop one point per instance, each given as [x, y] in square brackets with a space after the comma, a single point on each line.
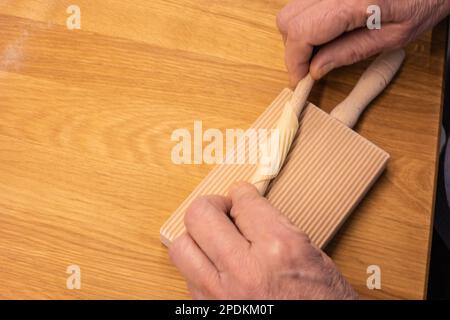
[300, 237]
[290, 247]
[178, 246]
[207, 286]
[294, 30]
[278, 249]
[253, 204]
[400, 35]
[405, 33]
[231, 259]
[291, 232]
[394, 41]
[344, 14]
[197, 209]
[282, 21]
[353, 13]
[208, 283]
[355, 54]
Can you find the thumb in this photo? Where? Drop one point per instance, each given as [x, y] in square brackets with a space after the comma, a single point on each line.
[242, 192]
[346, 50]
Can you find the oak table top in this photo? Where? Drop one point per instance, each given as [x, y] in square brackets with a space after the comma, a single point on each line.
[86, 118]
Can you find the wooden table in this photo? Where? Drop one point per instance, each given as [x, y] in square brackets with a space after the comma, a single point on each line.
[86, 117]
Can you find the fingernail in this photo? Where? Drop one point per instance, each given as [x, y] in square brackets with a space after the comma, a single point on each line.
[325, 69]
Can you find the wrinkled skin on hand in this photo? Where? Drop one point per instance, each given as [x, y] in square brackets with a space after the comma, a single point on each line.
[339, 27]
[243, 248]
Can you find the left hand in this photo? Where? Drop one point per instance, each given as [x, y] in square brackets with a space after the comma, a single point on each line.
[339, 28]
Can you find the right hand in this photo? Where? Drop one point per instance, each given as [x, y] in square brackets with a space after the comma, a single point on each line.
[243, 248]
[339, 27]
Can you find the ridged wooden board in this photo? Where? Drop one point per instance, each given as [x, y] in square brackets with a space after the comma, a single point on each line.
[328, 171]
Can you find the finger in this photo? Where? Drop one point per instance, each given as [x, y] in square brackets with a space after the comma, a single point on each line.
[193, 264]
[353, 47]
[208, 224]
[196, 293]
[317, 25]
[297, 57]
[291, 10]
[255, 217]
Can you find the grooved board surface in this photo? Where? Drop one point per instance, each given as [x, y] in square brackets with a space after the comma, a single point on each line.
[327, 172]
[86, 118]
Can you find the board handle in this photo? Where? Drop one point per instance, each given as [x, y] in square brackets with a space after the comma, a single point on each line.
[373, 81]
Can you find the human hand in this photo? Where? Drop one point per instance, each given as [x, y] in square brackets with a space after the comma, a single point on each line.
[243, 248]
[339, 27]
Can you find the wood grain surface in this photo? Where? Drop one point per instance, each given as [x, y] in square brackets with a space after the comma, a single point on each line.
[86, 117]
